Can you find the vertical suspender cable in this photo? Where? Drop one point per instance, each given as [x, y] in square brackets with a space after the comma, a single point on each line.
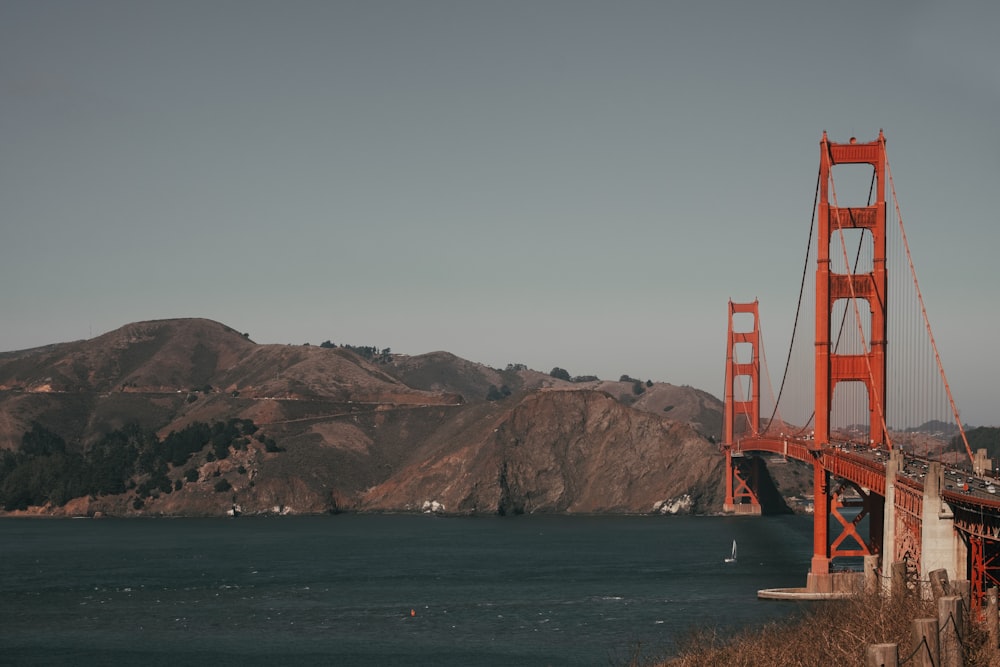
[923, 312]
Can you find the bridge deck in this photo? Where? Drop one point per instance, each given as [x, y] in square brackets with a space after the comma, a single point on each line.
[865, 466]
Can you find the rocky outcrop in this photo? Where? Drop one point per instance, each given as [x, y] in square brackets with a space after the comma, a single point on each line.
[563, 451]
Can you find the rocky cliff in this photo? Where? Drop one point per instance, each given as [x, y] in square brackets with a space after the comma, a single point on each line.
[559, 451]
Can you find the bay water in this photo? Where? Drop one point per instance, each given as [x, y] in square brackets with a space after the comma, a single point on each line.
[385, 589]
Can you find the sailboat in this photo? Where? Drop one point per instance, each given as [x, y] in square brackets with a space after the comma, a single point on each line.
[732, 558]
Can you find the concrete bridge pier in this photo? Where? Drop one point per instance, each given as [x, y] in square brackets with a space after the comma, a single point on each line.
[819, 580]
[941, 546]
[982, 465]
[937, 543]
[889, 541]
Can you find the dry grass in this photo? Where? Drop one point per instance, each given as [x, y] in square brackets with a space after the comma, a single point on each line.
[834, 633]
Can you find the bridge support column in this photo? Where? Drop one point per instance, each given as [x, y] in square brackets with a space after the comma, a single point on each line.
[982, 465]
[819, 580]
[888, 552]
[742, 479]
[941, 545]
[727, 504]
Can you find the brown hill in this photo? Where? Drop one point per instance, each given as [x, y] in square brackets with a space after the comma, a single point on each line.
[339, 431]
[556, 451]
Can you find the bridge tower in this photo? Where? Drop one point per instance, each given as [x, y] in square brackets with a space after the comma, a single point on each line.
[742, 474]
[866, 367]
[858, 289]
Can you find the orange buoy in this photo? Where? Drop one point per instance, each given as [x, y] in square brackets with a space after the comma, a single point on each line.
[413, 612]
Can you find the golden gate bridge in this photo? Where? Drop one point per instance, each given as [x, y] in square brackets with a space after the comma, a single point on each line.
[857, 398]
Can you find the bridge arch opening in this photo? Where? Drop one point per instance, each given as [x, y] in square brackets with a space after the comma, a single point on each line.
[852, 251]
[850, 413]
[743, 353]
[743, 387]
[846, 337]
[742, 425]
[743, 322]
[853, 184]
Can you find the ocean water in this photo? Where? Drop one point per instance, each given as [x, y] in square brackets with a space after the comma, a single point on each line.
[384, 590]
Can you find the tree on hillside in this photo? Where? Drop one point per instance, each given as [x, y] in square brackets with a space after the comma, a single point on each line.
[43, 471]
[494, 394]
[560, 373]
[982, 437]
[371, 353]
[113, 458]
[40, 441]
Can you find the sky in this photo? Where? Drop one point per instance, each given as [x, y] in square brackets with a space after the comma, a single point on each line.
[549, 182]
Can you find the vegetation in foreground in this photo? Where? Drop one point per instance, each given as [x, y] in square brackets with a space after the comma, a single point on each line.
[829, 633]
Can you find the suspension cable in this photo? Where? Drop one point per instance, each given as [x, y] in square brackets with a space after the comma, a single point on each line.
[923, 312]
[767, 374]
[798, 310]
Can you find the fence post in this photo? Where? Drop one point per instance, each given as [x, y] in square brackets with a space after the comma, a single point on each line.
[871, 575]
[951, 615]
[882, 655]
[992, 617]
[963, 587]
[925, 642]
[898, 585]
[939, 583]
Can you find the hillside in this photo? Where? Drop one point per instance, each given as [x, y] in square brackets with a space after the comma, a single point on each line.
[316, 429]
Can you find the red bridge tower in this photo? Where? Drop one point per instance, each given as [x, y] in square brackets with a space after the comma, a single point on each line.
[741, 497]
[868, 366]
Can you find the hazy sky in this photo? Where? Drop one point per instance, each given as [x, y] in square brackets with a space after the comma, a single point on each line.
[554, 183]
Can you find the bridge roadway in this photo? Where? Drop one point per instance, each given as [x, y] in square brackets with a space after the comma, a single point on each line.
[865, 467]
